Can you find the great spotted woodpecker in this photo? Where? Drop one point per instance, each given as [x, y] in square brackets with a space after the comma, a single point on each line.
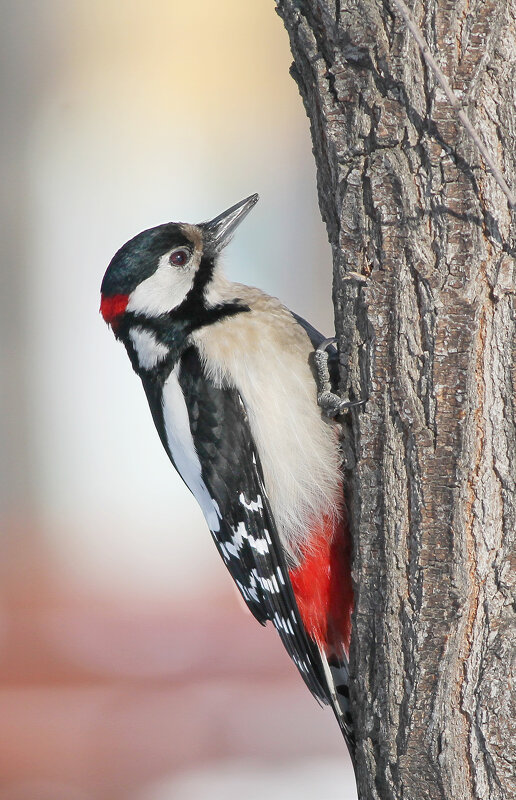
[229, 374]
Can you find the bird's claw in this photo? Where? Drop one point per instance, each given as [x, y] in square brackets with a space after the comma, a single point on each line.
[331, 404]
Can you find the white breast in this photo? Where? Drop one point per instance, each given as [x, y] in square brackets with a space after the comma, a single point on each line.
[182, 448]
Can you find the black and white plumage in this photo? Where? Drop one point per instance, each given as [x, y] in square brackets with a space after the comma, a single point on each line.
[228, 374]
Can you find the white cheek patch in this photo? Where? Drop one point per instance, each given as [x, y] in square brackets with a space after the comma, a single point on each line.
[165, 289]
[182, 448]
[149, 351]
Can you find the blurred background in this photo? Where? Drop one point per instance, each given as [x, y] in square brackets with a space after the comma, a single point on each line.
[129, 669]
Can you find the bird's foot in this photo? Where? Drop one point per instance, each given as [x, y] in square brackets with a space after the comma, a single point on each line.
[331, 404]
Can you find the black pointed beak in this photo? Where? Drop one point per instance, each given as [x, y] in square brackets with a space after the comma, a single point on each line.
[219, 231]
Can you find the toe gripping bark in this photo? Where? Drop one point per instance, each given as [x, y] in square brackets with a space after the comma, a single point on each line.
[331, 403]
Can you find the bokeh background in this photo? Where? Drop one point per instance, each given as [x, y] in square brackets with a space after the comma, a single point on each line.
[129, 670]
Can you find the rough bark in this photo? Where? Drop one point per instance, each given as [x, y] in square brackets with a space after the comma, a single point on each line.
[428, 335]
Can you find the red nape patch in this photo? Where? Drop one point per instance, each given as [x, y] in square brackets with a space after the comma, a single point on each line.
[113, 307]
[322, 585]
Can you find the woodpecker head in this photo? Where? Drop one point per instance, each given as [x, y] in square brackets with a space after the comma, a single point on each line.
[154, 273]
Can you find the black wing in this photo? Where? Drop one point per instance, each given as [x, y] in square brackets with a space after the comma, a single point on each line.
[247, 538]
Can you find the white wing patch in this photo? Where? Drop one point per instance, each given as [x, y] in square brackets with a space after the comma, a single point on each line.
[182, 448]
[255, 505]
[258, 543]
[148, 349]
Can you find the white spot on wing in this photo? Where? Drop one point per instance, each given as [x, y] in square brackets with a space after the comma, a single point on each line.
[268, 585]
[244, 590]
[240, 533]
[252, 590]
[280, 576]
[148, 349]
[253, 505]
[231, 549]
[283, 624]
[302, 665]
[182, 448]
[260, 545]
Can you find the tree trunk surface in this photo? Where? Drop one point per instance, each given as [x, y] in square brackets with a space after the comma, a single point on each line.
[424, 291]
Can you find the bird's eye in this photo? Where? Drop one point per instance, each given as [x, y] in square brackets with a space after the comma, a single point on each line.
[178, 258]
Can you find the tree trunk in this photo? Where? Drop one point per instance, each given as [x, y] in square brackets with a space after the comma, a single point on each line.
[427, 332]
